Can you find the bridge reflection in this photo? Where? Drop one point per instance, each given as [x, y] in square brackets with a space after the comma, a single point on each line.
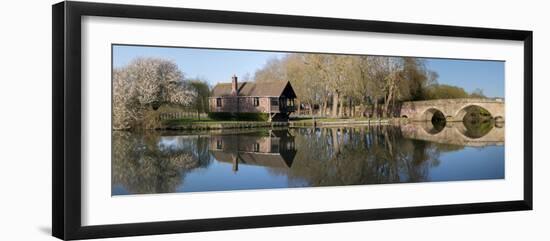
[457, 133]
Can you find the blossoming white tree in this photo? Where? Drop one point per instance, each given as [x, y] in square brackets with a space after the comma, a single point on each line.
[141, 87]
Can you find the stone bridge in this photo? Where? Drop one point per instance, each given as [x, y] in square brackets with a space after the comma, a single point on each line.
[451, 109]
[454, 133]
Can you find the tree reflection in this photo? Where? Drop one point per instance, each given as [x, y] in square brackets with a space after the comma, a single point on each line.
[349, 156]
[149, 163]
[476, 128]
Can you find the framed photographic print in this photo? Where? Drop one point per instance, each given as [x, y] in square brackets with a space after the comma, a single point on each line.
[170, 120]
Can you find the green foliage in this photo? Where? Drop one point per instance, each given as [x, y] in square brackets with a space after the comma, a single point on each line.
[201, 87]
[228, 116]
[442, 91]
[478, 93]
[415, 79]
[478, 128]
[476, 114]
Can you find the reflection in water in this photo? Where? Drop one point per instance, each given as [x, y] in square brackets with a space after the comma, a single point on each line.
[149, 163]
[478, 128]
[273, 148]
[349, 156]
[302, 157]
[435, 126]
[467, 133]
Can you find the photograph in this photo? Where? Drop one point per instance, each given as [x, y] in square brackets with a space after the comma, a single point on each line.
[188, 119]
[277, 120]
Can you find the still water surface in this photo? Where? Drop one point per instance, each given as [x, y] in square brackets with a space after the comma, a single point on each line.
[167, 162]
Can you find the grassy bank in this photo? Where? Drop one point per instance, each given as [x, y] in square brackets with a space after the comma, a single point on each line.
[209, 124]
[297, 122]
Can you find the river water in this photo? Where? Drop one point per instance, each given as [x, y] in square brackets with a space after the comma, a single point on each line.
[167, 162]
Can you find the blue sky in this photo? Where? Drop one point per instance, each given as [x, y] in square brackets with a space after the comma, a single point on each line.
[471, 74]
[219, 65]
[212, 65]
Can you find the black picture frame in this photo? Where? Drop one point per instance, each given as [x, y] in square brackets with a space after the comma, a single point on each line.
[66, 127]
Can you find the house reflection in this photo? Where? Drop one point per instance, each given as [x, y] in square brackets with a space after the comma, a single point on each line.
[274, 148]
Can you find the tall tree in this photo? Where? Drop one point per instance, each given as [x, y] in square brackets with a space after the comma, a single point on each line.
[273, 70]
[200, 104]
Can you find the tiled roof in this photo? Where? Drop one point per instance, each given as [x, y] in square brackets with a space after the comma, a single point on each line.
[274, 88]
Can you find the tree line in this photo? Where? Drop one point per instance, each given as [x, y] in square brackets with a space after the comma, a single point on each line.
[335, 85]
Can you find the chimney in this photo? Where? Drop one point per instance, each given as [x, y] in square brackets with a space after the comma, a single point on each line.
[234, 86]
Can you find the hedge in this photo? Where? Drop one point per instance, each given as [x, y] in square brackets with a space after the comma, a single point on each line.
[238, 116]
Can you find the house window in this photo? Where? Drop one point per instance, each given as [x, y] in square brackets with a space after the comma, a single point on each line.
[219, 144]
[256, 101]
[274, 101]
[256, 147]
[218, 102]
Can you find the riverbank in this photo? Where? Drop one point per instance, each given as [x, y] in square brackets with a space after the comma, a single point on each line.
[328, 122]
[216, 125]
[304, 122]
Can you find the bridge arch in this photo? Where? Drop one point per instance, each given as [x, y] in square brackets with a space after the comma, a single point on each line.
[432, 128]
[430, 113]
[473, 132]
[464, 110]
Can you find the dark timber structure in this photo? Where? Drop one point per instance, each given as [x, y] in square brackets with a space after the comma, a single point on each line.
[274, 98]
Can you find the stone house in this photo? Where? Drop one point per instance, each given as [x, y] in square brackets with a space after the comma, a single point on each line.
[274, 98]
